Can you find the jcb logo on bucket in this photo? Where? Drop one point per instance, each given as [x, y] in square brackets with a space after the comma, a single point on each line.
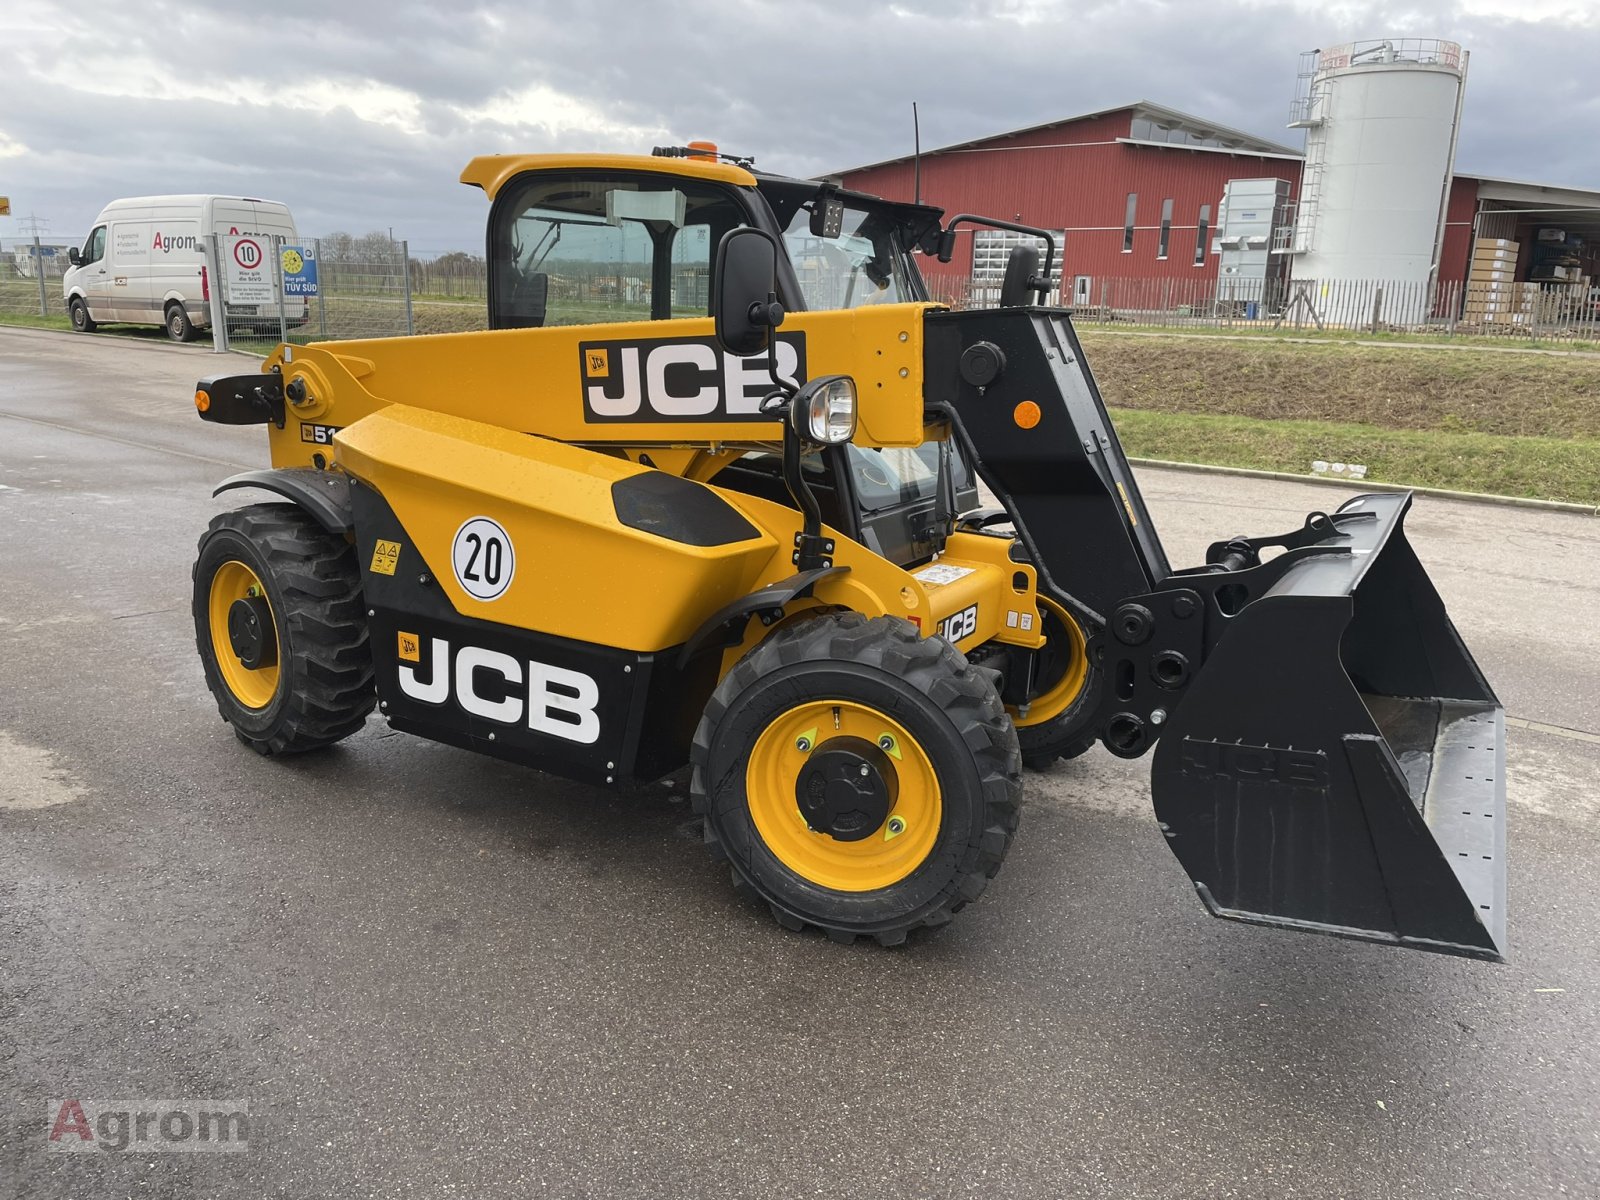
[682, 379]
[1256, 764]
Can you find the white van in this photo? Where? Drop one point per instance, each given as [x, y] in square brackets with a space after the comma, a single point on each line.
[144, 264]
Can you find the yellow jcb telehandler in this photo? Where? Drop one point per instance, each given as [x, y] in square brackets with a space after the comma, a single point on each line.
[706, 493]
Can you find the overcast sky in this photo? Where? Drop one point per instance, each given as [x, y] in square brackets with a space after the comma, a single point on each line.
[360, 115]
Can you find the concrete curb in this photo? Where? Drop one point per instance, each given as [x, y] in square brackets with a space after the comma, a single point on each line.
[1588, 510]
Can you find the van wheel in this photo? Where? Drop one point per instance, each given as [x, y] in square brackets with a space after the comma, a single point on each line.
[78, 311]
[179, 327]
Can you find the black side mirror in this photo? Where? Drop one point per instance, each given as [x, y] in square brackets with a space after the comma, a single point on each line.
[75, 257]
[746, 282]
[1022, 265]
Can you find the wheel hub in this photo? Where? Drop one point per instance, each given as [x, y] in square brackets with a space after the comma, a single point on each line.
[250, 632]
[846, 789]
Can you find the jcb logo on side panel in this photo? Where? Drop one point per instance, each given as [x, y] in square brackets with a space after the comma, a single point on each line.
[496, 687]
[681, 379]
[959, 625]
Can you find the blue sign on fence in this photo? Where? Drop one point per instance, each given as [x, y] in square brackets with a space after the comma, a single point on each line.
[299, 271]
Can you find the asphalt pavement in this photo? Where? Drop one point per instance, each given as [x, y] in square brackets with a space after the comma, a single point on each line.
[430, 974]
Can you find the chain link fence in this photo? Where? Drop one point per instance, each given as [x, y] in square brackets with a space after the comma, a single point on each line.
[373, 288]
[368, 292]
[30, 278]
[1533, 311]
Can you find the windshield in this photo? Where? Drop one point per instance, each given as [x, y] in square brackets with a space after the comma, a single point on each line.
[868, 262]
[887, 478]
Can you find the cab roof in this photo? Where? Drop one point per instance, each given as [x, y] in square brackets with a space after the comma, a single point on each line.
[491, 172]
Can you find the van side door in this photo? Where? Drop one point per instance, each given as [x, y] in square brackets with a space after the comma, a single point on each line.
[130, 272]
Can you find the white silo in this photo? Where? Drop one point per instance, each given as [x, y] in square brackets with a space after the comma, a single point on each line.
[1380, 120]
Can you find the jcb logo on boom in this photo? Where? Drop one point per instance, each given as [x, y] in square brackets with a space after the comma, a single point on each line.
[555, 701]
[682, 379]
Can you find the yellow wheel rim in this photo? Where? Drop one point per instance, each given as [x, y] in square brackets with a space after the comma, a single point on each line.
[886, 855]
[253, 688]
[1059, 696]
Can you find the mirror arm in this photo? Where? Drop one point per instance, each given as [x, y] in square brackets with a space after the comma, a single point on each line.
[771, 315]
[811, 549]
[948, 239]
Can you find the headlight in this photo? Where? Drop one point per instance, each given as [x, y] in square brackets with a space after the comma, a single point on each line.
[823, 411]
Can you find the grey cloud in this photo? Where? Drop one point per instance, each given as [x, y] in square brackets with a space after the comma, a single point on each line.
[806, 87]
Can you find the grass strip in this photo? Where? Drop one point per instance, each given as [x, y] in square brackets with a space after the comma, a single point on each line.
[1539, 468]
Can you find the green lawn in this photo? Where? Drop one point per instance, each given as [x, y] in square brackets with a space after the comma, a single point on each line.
[1543, 468]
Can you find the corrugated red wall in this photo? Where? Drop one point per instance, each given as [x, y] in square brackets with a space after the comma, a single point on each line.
[1077, 177]
[1458, 214]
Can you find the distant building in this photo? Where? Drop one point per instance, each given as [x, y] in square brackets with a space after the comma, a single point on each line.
[1138, 192]
[26, 260]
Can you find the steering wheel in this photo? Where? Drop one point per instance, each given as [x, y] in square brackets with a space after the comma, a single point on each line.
[872, 471]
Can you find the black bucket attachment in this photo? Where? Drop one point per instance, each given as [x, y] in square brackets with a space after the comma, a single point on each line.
[1338, 763]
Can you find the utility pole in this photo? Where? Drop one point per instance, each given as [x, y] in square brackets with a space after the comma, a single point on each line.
[33, 225]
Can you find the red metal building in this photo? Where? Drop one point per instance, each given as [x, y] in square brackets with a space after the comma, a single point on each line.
[1136, 191]
[1087, 176]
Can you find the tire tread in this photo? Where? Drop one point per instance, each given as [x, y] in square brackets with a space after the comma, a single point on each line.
[332, 676]
[939, 671]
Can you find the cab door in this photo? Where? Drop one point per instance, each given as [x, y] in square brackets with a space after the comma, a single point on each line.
[96, 275]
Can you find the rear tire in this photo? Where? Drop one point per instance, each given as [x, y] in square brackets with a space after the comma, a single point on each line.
[179, 327]
[1067, 677]
[845, 685]
[305, 681]
[78, 314]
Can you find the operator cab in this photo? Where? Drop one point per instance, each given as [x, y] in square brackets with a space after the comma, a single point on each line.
[593, 244]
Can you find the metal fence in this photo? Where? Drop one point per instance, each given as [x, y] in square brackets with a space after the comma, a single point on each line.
[375, 293]
[1533, 311]
[30, 276]
[370, 291]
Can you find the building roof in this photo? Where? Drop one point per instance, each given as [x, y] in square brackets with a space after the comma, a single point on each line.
[1526, 191]
[1246, 142]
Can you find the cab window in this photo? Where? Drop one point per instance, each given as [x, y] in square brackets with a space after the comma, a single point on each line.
[582, 249]
[95, 248]
[866, 264]
[894, 476]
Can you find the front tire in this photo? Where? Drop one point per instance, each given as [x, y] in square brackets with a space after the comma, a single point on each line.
[858, 777]
[281, 629]
[1060, 718]
[78, 314]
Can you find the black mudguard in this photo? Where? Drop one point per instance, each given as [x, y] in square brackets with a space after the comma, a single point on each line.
[323, 494]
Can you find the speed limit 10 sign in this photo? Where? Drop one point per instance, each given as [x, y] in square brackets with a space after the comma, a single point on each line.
[246, 269]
